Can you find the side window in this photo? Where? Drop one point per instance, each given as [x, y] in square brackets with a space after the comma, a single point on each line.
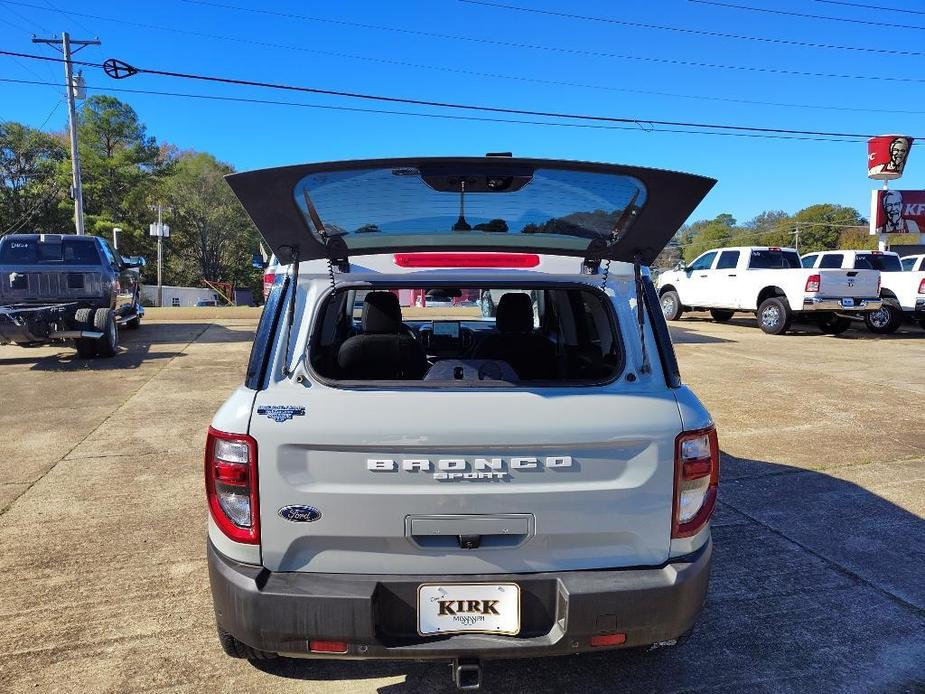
[728, 260]
[266, 332]
[832, 260]
[809, 260]
[107, 253]
[703, 262]
[908, 264]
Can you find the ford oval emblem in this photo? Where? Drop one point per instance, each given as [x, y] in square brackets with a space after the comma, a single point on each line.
[300, 514]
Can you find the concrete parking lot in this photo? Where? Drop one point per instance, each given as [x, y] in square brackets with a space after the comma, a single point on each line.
[818, 581]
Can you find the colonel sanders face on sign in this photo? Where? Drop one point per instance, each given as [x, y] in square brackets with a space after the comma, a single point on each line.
[892, 203]
[899, 150]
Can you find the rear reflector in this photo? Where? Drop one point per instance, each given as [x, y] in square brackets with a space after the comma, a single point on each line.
[491, 260]
[327, 646]
[608, 640]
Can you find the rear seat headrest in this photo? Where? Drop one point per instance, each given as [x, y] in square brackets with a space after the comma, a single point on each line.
[515, 313]
[381, 313]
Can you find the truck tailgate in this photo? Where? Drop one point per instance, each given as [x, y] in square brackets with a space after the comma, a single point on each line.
[849, 283]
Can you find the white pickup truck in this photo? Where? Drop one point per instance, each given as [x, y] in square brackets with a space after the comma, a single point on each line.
[902, 284]
[771, 283]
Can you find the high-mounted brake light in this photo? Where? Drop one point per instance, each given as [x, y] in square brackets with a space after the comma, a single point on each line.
[696, 480]
[488, 260]
[774, 248]
[231, 485]
[812, 283]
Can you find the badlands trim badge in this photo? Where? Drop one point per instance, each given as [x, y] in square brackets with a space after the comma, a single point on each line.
[281, 413]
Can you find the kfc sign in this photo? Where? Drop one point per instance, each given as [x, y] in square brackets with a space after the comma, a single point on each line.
[897, 212]
[886, 156]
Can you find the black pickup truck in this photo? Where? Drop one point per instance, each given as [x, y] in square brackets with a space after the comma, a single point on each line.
[56, 287]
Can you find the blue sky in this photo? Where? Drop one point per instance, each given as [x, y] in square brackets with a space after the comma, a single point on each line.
[754, 174]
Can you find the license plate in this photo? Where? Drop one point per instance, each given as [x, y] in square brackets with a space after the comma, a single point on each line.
[847, 303]
[456, 608]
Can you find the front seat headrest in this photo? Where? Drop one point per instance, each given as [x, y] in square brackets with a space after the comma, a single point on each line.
[381, 313]
[515, 314]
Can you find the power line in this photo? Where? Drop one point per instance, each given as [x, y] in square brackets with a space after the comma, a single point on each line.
[803, 15]
[493, 75]
[442, 116]
[872, 7]
[641, 122]
[696, 32]
[558, 49]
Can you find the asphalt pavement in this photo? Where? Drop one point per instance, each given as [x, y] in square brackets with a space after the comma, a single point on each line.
[817, 582]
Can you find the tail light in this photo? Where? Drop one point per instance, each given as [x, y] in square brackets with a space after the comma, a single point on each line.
[696, 480]
[922, 287]
[812, 283]
[231, 485]
[268, 279]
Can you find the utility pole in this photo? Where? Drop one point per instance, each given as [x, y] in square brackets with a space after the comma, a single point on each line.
[160, 230]
[796, 238]
[71, 86]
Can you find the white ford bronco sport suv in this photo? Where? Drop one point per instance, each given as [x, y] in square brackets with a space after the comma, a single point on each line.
[515, 470]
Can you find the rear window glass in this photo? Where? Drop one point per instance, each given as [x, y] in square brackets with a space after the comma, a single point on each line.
[70, 251]
[884, 263]
[555, 207]
[772, 259]
[471, 336]
[832, 261]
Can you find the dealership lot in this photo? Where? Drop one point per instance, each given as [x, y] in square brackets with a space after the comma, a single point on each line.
[820, 534]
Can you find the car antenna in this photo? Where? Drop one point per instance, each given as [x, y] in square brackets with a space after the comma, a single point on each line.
[461, 223]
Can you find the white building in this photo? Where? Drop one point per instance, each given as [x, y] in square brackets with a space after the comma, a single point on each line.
[178, 296]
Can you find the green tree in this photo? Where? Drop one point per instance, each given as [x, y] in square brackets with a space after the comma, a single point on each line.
[770, 228]
[857, 239]
[703, 235]
[821, 225]
[32, 197]
[211, 236]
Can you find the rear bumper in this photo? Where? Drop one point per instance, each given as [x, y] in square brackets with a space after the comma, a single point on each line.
[377, 615]
[822, 303]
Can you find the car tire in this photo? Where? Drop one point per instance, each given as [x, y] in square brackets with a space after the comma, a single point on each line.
[834, 325]
[721, 315]
[236, 649]
[922, 323]
[104, 320]
[671, 305]
[885, 320]
[86, 347]
[774, 315]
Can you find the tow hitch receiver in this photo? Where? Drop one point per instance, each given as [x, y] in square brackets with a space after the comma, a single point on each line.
[467, 673]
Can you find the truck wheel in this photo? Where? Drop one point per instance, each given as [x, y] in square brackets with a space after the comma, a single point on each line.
[834, 325]
[236, 649]
[774, 315]
[721, 315]
[885, 320]
[105, 321]
[671, 305]
[83, 319]
[922, 323]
